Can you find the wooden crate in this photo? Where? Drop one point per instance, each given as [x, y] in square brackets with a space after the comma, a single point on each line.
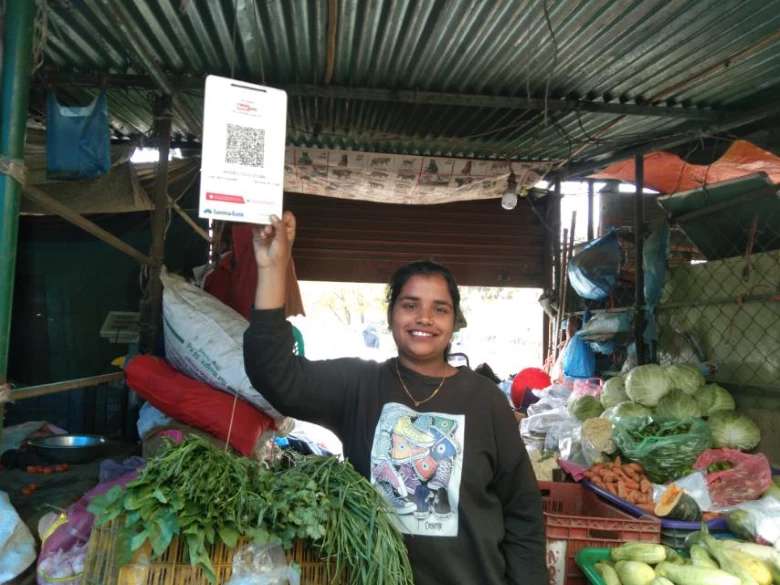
[173, 567]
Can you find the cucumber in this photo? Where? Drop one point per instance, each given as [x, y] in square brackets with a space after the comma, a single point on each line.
[637, 573]
[690, 575]
[701, 558]
[638, 551]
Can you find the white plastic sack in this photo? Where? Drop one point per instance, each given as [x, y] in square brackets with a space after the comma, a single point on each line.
[204, 339]
[17, 545]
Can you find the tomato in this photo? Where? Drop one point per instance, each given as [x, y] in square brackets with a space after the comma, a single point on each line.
[31, 469]
[47, 471]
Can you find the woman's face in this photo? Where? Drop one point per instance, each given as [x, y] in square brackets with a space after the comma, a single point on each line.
[423, 318]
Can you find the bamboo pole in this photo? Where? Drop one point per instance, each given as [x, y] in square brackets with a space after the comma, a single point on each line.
[56, 387]
[79, 220]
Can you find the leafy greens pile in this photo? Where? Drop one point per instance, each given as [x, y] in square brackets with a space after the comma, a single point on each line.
[203, 495]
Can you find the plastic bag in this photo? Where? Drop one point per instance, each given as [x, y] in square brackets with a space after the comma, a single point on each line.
[579, 361]
[263, 565]
[588, 387]
[552, 398]
[78, 141]
[64, 541]
[17, 545]
[534, 429]
[667, 449]
[594, 272]
[695, 485]
[749, 477]
[565, 437]
[759, 519]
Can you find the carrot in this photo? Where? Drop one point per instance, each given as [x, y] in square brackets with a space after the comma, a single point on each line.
[589, 475]
[622, 492]
[630, 473]
[617, 461]
[610, 477]
[649, 508]
[636, 467]
[707, 516]
[597, 482]
[645, 486]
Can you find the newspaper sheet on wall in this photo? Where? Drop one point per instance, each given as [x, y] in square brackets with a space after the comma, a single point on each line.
[407, 179]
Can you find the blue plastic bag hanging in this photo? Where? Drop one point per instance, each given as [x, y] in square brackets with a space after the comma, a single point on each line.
[594, 271]
[579, 361]
[654, 264]
[78, 141]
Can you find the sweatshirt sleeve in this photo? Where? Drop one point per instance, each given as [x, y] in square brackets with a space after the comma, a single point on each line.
[524, 544]
[314, 391]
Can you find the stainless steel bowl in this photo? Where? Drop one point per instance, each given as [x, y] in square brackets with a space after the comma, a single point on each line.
[70, 448]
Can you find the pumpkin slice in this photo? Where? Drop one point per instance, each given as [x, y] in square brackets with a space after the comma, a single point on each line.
[675, 504]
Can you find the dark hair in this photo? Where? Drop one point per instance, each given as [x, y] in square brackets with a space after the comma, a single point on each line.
[422, 268]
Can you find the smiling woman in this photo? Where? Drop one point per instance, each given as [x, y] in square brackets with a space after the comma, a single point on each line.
[423, 300]
[440, 443]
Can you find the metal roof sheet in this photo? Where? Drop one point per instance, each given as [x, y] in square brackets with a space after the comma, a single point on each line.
[710, 56]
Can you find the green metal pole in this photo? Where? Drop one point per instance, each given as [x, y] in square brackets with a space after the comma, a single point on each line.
[16, 73]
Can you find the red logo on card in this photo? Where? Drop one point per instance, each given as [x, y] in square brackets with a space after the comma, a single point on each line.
[225, 198]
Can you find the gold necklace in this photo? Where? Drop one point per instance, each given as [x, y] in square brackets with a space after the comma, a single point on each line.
[409, 394]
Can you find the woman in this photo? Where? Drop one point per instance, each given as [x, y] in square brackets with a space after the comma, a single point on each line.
[440, 443]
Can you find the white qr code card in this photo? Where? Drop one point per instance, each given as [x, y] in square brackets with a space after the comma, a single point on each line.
[242, 164]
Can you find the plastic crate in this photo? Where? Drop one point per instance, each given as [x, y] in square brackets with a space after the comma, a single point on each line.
[673, 532]
[576, 518]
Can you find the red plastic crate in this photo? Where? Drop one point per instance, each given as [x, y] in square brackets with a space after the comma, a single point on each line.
[576, 518]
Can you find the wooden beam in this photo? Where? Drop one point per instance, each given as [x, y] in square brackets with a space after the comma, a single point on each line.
[79, 220]
[152, 304]
[56, 387]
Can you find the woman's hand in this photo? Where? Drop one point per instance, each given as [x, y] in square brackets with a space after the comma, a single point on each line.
[273, 243]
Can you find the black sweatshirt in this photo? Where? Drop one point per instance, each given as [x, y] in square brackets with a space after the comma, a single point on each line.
[454, 469]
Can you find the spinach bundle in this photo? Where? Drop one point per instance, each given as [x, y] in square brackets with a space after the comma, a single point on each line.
[205, 495]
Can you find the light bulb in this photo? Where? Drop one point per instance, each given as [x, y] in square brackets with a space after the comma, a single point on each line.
[509, 200]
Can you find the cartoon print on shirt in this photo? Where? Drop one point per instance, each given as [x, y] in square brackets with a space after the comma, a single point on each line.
[416, 463]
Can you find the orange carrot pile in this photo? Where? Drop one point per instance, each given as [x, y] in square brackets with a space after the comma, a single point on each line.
[627, 481]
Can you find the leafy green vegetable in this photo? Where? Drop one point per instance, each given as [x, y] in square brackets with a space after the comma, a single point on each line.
[205, 495]
[685, 377]
[712, 398]
[626, 410]
[677, 404]
[585, 407]
[648, 384]
[734, 431]
[667, 449]
[614, 392]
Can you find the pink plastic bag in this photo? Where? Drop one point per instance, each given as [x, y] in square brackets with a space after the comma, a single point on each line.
[749, 477]
[589, 387]
[64, 545]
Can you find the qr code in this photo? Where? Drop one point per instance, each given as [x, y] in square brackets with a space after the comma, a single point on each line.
[245, 146]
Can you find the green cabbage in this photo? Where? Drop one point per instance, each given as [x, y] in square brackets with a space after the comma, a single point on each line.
[648, 384]
[677, 404]
[585, 407]
[626, 410]
[686, 378]
[732, 430]
[614, 392]
[712, 398]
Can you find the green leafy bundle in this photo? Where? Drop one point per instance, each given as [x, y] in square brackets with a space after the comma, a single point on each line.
[205, 495]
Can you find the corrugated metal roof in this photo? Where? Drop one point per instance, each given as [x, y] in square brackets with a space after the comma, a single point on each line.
[709, 54]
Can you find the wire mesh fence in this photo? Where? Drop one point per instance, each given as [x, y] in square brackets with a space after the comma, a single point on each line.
[721, 300]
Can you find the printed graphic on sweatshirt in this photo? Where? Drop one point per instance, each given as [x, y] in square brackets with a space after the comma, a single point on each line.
[416, 463]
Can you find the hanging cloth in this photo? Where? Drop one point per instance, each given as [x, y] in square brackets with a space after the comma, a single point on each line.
[78, 140]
